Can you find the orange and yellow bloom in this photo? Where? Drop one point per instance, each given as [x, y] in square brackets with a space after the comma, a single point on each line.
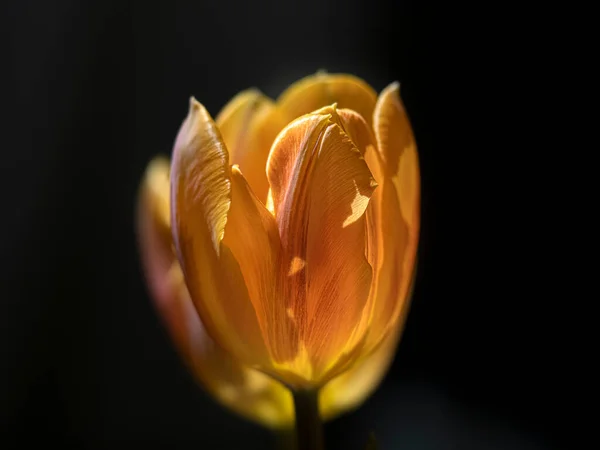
[294, 231]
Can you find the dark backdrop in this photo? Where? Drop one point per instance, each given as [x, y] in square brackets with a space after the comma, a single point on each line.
[93, 90]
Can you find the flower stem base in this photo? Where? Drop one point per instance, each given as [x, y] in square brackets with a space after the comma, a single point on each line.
[309, 428]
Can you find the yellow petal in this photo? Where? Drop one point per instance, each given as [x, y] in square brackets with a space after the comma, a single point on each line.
[249, 124]
[153, 230]
[320, 188]
[155, 191]
[374, 214]
[349, 390]
[161, 268]
[396, 212]
[315, 91]
[201, 199]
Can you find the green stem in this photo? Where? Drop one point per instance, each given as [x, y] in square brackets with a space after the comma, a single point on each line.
[309, 429]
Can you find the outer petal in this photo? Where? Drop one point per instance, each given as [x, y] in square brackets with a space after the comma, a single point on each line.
[396, 212]
[357, 129]
[352, 388]
[352, 124]
[320, 188]
[398, 149]
[315, 91]
[200, 203]
[245, 391]
[251, 234]
[154, 233]
[249, 124]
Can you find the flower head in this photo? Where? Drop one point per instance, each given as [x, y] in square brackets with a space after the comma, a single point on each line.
[295, 227]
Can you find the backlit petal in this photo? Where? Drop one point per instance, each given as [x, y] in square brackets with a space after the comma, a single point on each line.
[349, 390]
[356, 128]
[396, 210]
[339, 276]
[352, 124]
[154, 232]
[321, 188]
[321, 89]
[291, 156]
[245, 391]
[398, 149]
[352, 388]
[249, 124]
[252, 235]
[200, 203]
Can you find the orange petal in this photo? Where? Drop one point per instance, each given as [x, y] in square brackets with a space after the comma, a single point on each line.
[352, 124]
[249, 124]
[356, 128]
[246, 391]
[291, 154]
[315, 91]
[252, 235]
[200, 203]
[398, 149]
[338, 272]
[320, 188]
[396, 210]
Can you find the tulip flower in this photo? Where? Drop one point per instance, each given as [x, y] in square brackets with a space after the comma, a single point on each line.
[294, 231]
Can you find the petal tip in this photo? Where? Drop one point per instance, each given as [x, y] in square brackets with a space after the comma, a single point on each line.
[193, 102]
[185, 132]
[195, 108]
[255, 92]
[393, 89]
[157, 165]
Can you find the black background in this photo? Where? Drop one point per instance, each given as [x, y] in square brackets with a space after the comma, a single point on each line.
[94, 89]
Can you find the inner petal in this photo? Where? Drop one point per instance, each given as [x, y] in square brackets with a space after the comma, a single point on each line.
[249, 124]
[321, 186]
[252, 236]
